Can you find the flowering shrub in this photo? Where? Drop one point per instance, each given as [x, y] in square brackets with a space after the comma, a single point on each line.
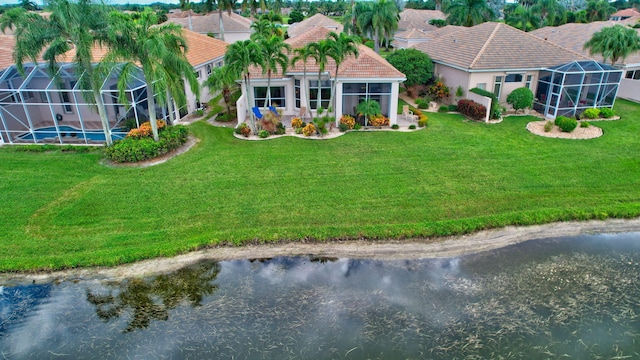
[145, 129]
[378, 120]
[438, 91]
[348, 121]
[243, 129]
[131, 149]
[309, 129]
[296, 122]
[422, 120]
[472, 109]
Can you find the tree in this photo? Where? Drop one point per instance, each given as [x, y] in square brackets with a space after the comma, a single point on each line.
[341, 46]
[520, 98]
[28, 5]
[158, 49]
[272, 55]
[320, 53]
[416, 65]
[377, 19]
[523, 18]
[223, 79]
[222, 6]
[469, 12]
[265, 29]
[79, 25]
[368, 108]
[550, 11]
[303, 54]
[614, 42]
[295, 16]
[239, 57]
[599, 10]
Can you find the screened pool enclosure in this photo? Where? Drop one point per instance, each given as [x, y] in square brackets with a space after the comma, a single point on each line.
[571, 88]
[39, 108]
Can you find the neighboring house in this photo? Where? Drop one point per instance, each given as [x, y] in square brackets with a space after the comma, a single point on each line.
[624, 14]
[36, 108]
[411, 38]
[366, 77]
[573, 37]
[236, 27]
[317, 20]
[499, 58]
[419, 19]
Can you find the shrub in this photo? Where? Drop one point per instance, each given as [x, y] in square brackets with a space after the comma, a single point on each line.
[263, 134]
[298, 130]
[131, 149]
[199, 112]
[584, 124]
[453, 107]
[378, 120]
[357, 126]
[520, 98]
[243, 129]
[280, 129]
[395, 126]
[145, 130]
[548, 126]
[309, 129]
[443, 109]
[566, 124]
[607, 113]
[343, 127]
[472, 109]
[591, 113]
[422, 122]
[348, 121]
[412, 127]
[493, 112]
[296, 122]
[438, 91]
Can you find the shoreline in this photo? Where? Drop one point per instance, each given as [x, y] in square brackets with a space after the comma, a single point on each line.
[415, 248]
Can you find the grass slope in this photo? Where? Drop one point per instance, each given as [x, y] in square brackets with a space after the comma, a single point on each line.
[65, 209]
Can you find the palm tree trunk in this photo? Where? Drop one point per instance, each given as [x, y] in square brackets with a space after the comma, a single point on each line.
[376, 43]
[267, 101]
[334, 87]
[103, 116]
[306, 89]
[247, 83]
[221, 22]
[151, 102]
[172, 113]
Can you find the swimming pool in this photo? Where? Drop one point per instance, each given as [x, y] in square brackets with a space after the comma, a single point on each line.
[68, 131]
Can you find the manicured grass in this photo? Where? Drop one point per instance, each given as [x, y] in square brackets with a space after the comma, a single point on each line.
[61, 209]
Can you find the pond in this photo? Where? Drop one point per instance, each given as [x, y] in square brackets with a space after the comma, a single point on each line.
[574, 297]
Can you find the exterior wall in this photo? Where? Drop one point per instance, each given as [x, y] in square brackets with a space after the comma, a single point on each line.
[481, 100]
[630, 89]
[453, 78]
[489, 79]
[205, 94]
[232, 37]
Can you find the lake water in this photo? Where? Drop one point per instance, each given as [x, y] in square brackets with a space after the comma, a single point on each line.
[576, 298]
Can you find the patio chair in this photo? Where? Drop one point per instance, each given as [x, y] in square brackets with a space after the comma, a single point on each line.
[273, 110]
[256, 112]
[303, 112]
[408, 114]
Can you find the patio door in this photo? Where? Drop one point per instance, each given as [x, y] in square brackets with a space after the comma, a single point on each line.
[554, 99]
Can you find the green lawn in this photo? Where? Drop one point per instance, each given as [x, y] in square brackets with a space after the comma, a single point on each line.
[65, 209]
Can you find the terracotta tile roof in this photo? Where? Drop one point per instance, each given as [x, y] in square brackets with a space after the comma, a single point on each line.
[573, 36]
[626, 13]
[419, 19]
[210, 23]
[494, 45]
[413, 33]
[316, 20]
[314, 34]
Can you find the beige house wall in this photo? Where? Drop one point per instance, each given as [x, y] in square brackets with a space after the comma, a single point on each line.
[489, 79]
[629, 89]
[453, 78]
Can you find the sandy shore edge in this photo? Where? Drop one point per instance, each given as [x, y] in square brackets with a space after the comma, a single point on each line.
[382, 250]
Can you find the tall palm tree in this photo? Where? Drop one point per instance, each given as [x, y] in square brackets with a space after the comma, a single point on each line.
[158, 49]
[469, 12]
[272, 52]
[523, 18]
[222, 6]
[378, 19]
[550, 11]
[320, 53]
[240, 56]
[265, 29]
[304, 54]
[222, 79]
[341, 47]
[79, 25]
[599, 10]
[614, 42]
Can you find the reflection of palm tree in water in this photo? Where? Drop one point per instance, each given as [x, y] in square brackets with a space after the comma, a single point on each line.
[151, 299]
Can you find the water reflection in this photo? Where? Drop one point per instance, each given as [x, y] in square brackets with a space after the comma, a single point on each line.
[558, 298]
[151, 299]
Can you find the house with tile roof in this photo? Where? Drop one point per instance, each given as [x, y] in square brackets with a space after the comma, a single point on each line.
[36, 108]
[419, 19]
[236, 27]
[499, 58]
[317, 20]
[624, 14]
[411, 38]
[573, 36]
[366, 77]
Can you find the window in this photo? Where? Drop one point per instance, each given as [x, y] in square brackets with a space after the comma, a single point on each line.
[325, 93]
[296, 90]
[629, 75]
[482, 86]
[634, 75]
[198, 74]
[497, 85]
[355, 93]
[527, 84]
[513, 78]
[219, 64]
[277, 96]
[208, 67]
[65, 98]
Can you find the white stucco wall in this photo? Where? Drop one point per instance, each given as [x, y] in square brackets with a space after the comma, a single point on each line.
[629, 89]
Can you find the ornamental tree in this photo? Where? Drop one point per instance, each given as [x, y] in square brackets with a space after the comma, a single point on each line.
[520, 98]
[416, 65]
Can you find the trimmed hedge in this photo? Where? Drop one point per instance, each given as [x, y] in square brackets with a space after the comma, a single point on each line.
[131, 149]
[566, 124]
[472, 109]
[494, 100]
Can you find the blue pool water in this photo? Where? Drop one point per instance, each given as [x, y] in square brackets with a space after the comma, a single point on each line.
[50, 132]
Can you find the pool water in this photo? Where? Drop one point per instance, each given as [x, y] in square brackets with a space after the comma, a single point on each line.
[50, 133]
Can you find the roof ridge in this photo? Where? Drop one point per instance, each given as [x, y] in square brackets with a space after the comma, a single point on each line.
[485, 45]
[537, 38]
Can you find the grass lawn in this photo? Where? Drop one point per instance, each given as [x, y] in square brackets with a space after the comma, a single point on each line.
[61, 209]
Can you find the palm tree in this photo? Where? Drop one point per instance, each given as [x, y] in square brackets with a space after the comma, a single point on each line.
[158, 49]
[550, 11]
[368, 108]
[379, 20]
[272, 53]
[79, 25]
[222, 6]
[265, 29]
[320, 53]
[239, 57]
[599, 10]
[523, 18]
[303, 54]
[614, 42]
[469, 12]
[341, 47]
[222, 79]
